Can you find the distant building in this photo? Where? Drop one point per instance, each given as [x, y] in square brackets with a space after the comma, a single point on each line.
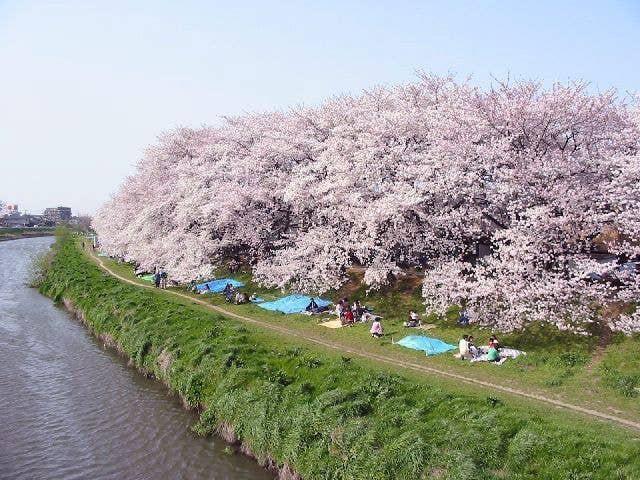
[17, 220]
[14, 220]
[57, 214]
[38, 221]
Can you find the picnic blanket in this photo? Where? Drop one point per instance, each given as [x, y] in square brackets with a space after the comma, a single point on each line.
[292, 304]
[148, 278]
[431, 346]
[510, 352]
[103, 254]
[504, 354]
[332, 324]
[369, 317]
[217, 286]
[256, 300]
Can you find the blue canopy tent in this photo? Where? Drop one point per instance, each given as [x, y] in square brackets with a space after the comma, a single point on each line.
[293, 304]
[217, 286]
[431, 346]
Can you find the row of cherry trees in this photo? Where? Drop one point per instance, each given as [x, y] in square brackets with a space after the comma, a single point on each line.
[408, 176]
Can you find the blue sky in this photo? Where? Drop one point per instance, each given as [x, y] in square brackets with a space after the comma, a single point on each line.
[85, 86]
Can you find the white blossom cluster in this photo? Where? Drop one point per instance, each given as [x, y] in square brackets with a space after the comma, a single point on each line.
[404, 177]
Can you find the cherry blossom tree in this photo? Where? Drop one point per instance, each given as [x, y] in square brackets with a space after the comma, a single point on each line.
[411, 176]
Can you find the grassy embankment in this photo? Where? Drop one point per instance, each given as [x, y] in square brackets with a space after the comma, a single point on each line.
[324, 415]
[597, 372]
[15, 233]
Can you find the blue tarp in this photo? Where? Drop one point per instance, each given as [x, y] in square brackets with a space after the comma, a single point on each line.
[430, 345]
[103, 254]
[256, 300]
[293, 304]
[217, 286]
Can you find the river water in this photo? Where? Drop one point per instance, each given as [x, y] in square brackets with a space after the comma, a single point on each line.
[71, 410]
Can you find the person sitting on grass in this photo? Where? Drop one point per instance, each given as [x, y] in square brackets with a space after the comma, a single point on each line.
[358, 310]
[240, 298]
[348, 318]
[192, 287]
[206, 289]
[312, 307]
[229, 292]
[254, 297]
[493, 355]
[414, 320]
[473, 350]
[493, 342]
[376, 329]
[463, 346]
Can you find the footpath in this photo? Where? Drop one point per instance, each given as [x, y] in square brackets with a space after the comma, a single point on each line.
[345, 348]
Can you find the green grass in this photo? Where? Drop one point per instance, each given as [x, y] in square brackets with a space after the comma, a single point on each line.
[326, 415]
[558, 364]
[620, 368]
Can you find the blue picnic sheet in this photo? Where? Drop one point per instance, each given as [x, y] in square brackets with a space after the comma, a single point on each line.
[430, 345]
[257, 300]
[103, 254]
[293, 304]
[217, 286]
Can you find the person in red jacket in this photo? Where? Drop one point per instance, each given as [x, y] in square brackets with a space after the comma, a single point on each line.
[348, 317]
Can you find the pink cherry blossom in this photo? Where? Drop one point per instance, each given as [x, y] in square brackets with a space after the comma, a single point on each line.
[405, 177]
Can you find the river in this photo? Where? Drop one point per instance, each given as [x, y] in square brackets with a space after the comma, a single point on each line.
[70, 409]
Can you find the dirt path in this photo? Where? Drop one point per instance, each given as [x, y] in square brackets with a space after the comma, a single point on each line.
[386, 359]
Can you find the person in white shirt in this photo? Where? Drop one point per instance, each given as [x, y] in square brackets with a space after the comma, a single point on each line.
[463, 346]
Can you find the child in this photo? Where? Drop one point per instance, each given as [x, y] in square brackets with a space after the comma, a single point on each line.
[376, 329]
[348, 318]
[492, 354]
